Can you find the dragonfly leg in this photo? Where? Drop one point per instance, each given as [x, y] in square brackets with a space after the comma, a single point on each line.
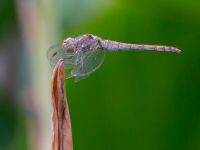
[81, 64]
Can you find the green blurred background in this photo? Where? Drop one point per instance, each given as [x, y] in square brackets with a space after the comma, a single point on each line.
[136, 100]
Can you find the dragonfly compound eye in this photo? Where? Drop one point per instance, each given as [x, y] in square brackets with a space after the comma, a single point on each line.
[69, 45]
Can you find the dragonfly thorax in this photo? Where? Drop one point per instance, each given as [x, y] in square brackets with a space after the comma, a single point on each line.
[83, 43]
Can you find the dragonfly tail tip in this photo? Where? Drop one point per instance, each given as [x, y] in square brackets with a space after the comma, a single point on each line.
[178, 50]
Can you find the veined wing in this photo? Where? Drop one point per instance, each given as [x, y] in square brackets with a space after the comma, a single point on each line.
[55, 53]
[86, 62]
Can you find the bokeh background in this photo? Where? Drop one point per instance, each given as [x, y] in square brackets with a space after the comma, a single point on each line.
[136, 100]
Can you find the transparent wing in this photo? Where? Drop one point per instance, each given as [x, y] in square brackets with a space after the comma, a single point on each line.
[55, 53]
[86, 63]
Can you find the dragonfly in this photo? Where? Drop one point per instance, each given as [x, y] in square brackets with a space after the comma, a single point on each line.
[83, 55]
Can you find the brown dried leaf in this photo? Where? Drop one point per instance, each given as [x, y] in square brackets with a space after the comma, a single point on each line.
[62, 132]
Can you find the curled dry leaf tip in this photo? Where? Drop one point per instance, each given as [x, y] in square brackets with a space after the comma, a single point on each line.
[61, 124]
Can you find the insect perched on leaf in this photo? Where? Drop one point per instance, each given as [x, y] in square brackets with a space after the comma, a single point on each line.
[85, 54]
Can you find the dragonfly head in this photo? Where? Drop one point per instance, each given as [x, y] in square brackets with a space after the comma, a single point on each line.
[69, 45]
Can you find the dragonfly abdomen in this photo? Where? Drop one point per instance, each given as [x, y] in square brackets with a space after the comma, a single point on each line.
[154, 48]
[115, 46]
